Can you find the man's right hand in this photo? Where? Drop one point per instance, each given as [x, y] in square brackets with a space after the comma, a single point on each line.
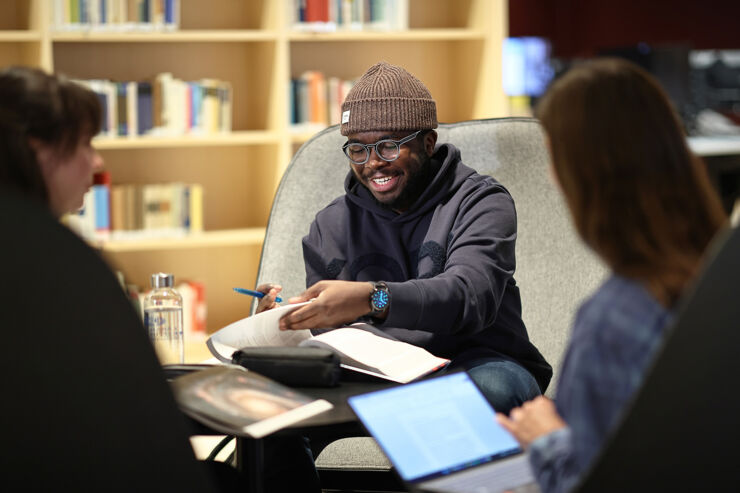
[335, 303]
[268, 301]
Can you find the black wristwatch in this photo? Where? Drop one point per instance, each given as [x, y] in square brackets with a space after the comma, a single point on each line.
[380, 298]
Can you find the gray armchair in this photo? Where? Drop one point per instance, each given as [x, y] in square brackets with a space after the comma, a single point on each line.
[554, 270]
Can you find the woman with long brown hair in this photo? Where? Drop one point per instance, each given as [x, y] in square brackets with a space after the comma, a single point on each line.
[642, 201]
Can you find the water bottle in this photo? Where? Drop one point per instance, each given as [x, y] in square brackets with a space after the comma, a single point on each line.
[163, 319]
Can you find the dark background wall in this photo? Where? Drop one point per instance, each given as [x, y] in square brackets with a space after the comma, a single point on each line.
[579, 28]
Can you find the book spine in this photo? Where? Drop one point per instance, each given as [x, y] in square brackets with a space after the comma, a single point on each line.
[102, 208]
[225, 94]
[144, 111]
[132, 107]
[102, 182]
[196, 208]
[301, 100]
[117, 208]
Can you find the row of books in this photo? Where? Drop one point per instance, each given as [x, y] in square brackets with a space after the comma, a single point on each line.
[115, 15]
[332, 15]
[317, 99]
[164, 105]
[119, 212]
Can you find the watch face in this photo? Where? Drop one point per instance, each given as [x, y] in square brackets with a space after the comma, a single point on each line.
[380, 299]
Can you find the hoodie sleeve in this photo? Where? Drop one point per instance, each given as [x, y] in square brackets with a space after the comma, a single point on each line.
[466, 297]
[315, 268]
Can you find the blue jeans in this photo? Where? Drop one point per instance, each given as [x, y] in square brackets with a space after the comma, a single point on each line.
[505, 383]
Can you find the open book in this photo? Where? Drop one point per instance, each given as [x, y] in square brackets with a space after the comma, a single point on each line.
[235, 401]
[360, 347]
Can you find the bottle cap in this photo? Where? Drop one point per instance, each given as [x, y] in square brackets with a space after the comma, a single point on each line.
[162, 280]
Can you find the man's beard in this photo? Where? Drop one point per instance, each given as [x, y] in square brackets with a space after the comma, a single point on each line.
[416, 186]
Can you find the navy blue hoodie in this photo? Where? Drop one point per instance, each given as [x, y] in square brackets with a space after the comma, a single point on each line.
[448, 262]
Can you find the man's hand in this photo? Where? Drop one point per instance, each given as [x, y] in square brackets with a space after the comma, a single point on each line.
[532, 420]
[334, 303]
[268, 301]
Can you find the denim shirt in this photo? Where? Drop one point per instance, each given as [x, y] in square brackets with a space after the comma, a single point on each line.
[615, 334]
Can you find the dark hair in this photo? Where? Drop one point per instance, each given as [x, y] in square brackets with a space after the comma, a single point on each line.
[53, 109]
[637, 194]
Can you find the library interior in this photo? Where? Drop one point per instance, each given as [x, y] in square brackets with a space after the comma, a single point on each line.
[207, 104]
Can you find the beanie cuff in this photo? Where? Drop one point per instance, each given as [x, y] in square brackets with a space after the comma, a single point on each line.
[388, 114]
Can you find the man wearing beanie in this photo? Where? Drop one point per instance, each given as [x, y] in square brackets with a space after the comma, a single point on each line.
[420, 245]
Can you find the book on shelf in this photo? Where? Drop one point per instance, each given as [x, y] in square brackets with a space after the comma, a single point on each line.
[333, 15]
[360, 347]
[101, 191]
[144, 112]
[101, 200]
[236, 401]
[115, 15]
[316, 84]
[194, 309]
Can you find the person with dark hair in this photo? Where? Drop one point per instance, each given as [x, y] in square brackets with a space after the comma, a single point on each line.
[47, 124]
[420, 245]
[643, 202]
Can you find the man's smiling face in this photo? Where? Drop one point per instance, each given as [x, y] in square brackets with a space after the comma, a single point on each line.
[398, 183]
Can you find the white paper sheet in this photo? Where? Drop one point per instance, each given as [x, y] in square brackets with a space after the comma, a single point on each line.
[257, 330]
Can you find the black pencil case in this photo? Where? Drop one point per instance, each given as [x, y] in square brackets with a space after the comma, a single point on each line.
[293, 366]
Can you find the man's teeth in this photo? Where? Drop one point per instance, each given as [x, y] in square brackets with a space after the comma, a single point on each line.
[382, 181]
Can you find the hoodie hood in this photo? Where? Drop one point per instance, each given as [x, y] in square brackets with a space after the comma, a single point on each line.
[450, 176]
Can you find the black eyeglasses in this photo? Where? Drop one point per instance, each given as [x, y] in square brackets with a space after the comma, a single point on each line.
[386, 149]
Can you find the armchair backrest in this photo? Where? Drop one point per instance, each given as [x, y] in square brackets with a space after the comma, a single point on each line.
[554, 270]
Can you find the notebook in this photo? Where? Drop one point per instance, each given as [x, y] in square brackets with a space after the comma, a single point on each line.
[441, 434]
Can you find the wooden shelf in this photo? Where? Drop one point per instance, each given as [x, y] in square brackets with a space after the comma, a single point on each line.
[245, 236]
[182, 36]
[240, 138]
[410, 35]
[19, 35]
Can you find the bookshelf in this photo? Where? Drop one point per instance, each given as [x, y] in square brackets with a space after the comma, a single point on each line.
[454, 46]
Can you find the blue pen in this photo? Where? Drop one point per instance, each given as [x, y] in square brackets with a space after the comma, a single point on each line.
[256, 294]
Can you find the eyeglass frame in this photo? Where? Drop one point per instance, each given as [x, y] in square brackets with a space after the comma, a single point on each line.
[367, 147]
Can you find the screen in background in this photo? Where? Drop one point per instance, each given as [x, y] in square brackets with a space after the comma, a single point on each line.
[668, 63]
[432, 426]
[526, 66]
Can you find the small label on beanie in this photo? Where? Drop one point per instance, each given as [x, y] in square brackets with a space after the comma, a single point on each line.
[345, 116]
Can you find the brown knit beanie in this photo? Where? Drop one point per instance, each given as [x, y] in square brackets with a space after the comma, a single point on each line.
[388, 98]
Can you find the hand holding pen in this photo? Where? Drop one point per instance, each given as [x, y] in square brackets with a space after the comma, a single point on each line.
[266, 293]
